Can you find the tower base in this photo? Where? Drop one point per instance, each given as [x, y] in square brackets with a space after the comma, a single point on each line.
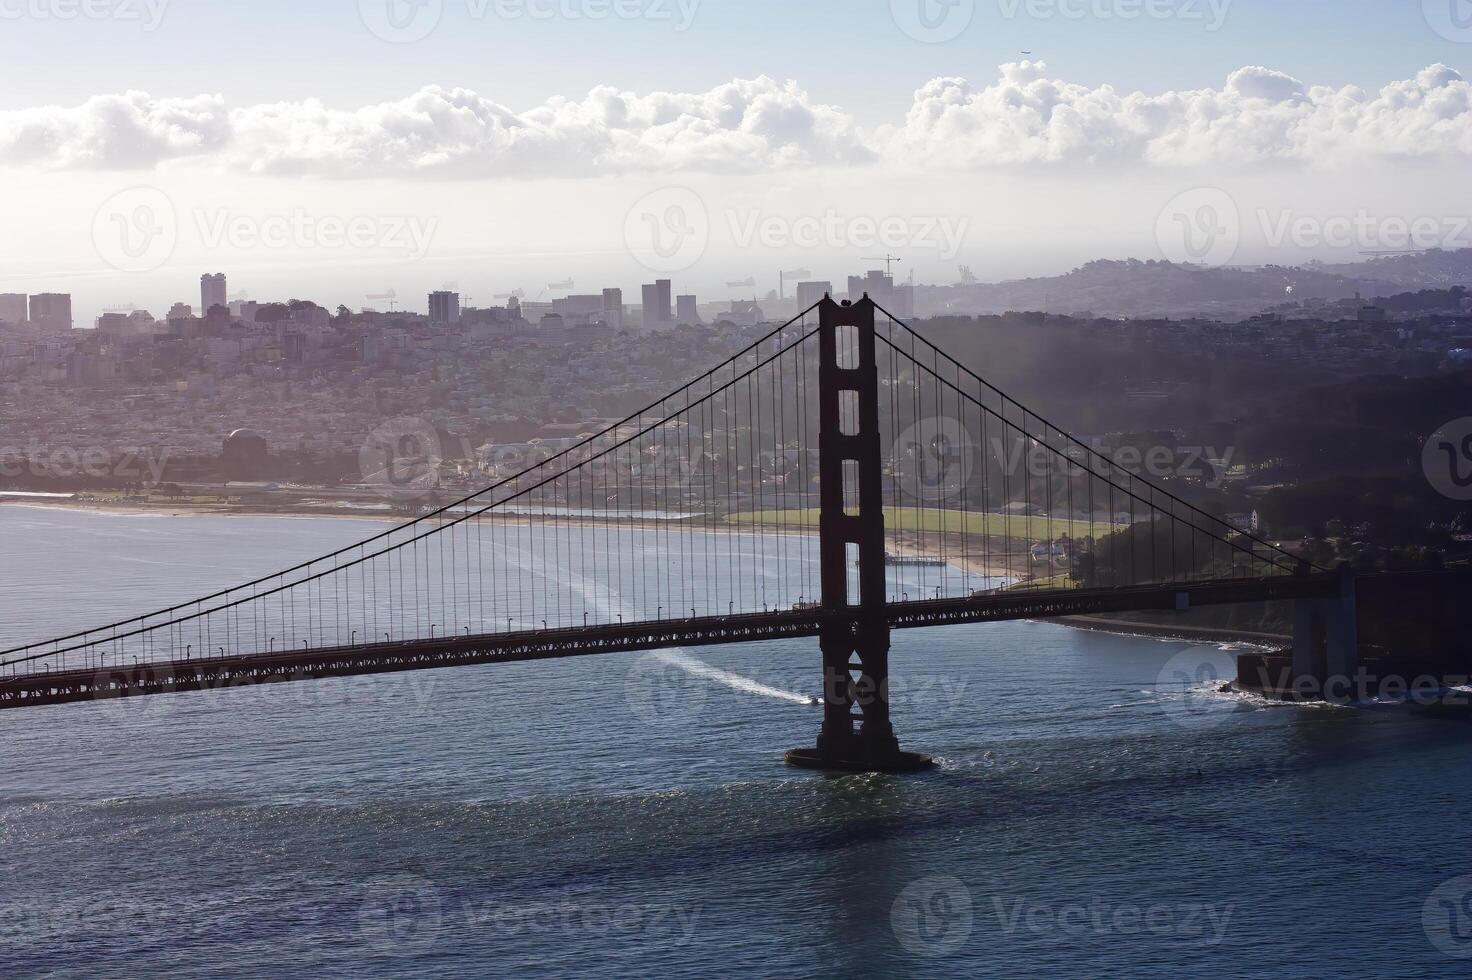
[889, 762]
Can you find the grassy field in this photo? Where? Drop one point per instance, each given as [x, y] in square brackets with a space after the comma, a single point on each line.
[946, 521]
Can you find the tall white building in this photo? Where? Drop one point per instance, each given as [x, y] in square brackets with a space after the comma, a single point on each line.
[212, 292]
[809, 293]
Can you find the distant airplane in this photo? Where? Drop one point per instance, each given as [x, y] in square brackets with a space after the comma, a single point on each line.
[1027, 52]
[565, 284]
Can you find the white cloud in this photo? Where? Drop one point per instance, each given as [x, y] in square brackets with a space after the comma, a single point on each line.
[110, 132]
[1024, 118]
[1258, 117]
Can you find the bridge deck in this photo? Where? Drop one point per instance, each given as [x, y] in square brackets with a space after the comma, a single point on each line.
[58, 687]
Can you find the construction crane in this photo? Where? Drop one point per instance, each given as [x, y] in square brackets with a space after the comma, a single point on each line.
[887, 259]
[514, 294]
[565, 284]
[391, 296]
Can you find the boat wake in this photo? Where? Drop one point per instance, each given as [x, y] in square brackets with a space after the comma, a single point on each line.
[736, 682]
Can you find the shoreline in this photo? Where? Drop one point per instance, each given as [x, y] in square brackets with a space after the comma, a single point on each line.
[1165, 631]
[898, 545]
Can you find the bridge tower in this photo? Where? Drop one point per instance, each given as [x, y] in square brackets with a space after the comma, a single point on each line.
[856, 735]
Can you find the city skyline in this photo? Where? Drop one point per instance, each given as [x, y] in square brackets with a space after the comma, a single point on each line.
[405, 172]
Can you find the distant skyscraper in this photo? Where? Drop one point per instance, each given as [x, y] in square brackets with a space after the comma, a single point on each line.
[686, 311]
[13, 308]
[657, 312]
[444, 307]
[52, 311]
[809, 293]
[880, 287]
[613, 308]
[212, 292]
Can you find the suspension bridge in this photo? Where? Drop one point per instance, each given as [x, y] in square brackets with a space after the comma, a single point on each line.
[840, 478]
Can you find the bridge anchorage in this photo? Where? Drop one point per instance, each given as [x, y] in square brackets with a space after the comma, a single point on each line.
[854, 637]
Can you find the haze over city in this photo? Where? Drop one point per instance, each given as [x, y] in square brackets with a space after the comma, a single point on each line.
[487, 173]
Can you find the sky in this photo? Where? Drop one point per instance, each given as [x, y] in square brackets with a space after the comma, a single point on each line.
[338, 148]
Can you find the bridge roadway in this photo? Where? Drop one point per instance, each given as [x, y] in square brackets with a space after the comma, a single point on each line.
[60, 687]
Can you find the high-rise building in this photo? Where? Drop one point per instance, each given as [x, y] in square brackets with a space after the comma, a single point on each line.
[657, 312]
[13, 308]
[212, 292]
[444, 307]
[613, 308]
[578, 307]
[809, 293]
[686, 311]
[879, 286]
[52, 311]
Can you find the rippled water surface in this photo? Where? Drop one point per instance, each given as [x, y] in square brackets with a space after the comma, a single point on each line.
[1098, 810]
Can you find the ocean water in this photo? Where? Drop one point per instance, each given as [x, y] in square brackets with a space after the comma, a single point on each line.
[1099, 809]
